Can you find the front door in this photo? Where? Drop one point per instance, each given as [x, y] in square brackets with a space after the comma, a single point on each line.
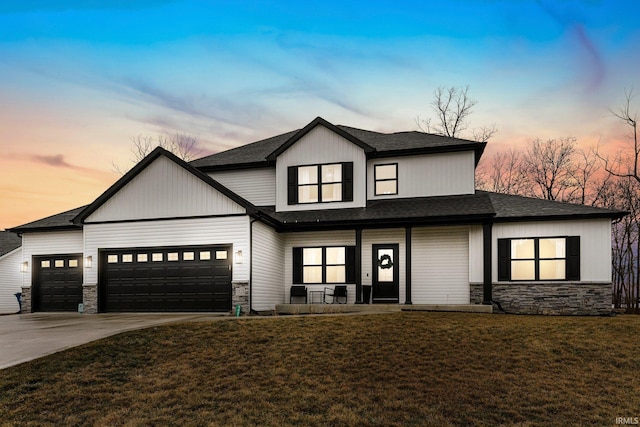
[386, 283]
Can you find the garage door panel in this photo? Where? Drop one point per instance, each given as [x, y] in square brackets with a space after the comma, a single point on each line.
[166, 279]
[57, 282]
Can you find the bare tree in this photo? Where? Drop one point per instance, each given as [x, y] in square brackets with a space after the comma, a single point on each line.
[625, 167]
[182, 145]
[590, 183]
[551, 169]
[626, 164]
[503, 173]
[452, 107]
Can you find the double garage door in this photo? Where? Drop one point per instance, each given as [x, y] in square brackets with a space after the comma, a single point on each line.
[165, 279]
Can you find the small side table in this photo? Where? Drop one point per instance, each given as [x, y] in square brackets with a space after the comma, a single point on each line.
[316, 297]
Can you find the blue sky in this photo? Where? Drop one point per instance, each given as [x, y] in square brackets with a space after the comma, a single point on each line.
[80, 78]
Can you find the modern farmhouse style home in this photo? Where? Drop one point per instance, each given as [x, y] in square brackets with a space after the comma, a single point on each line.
[389, 218]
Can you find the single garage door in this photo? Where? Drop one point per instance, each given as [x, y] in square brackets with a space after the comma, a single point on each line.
[166, 279]
[57, 282]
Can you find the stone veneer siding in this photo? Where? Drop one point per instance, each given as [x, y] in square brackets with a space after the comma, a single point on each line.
[554, 298]
[25, 304]
[240, 296]
[90, 298]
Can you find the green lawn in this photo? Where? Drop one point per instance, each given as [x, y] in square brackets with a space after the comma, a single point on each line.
[361, 370]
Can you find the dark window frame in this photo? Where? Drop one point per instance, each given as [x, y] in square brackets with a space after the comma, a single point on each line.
[571, 258]
[376, 180]
[346, 182]
[298, 265]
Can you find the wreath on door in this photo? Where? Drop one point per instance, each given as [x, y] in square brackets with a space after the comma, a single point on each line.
[385, 262]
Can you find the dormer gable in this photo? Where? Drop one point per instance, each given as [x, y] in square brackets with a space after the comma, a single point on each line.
[321, 167]
[319, 121]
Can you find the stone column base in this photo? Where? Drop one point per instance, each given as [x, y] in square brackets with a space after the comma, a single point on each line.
[240, 296]
[90, 298]
[26, 300]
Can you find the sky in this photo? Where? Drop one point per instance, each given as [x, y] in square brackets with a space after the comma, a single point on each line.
[80, 78]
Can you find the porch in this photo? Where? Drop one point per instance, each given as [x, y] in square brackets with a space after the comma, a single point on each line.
[378, 308]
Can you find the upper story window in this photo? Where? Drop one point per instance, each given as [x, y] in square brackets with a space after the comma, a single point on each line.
[385, 179]
[539, 259]
[322, 183]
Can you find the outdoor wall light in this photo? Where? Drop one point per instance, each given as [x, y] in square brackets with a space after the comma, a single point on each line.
[24, 266]
[88, 261]
[238, 257]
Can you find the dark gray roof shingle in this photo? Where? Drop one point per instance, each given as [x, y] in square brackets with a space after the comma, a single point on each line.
[9, 242]
[468, 208]
[392, 212]
[256, 153]
[510, 207]
[60, 221]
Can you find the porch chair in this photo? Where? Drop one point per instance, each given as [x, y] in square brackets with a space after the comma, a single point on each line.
[338, 291]
[298, 292]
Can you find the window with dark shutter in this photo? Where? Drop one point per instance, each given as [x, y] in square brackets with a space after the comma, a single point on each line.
[504, 259]
[347, 182]
[322, 183]
[573, 258]
[539, 259]
[297, 265]
[292, 185]
[323, 265]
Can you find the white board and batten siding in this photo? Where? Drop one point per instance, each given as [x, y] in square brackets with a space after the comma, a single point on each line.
[10, 281]
[321, 146]
[267, 276]
[428, 175]
[164, 233]
[314, 239]
[164, 190]
[256, 185]
[595, 245]
[440, 265]
[48, 243]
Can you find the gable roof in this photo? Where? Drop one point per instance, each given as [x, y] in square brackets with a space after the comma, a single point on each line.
[375, 144]
[9, 242]
[62, 221]
[143, 164]
[318, 121]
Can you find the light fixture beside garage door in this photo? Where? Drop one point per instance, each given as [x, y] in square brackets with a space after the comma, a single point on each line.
[88, 261]
[24, 267]
[238, 257]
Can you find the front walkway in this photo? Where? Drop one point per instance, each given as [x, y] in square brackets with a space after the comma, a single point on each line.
[378, 308]
[25, 337]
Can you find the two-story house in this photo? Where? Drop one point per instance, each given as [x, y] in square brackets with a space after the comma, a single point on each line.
[322, 206]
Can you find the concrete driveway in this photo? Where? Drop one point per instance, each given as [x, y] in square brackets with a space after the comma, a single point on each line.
[25, 337]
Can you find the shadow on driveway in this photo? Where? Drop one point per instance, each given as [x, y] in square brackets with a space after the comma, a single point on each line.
[25, 337]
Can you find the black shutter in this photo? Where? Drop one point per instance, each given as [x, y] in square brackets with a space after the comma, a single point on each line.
[292, 185]
[297, 265]
[350, 267]
[573, 258]
[347, 182]
[504, 259]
